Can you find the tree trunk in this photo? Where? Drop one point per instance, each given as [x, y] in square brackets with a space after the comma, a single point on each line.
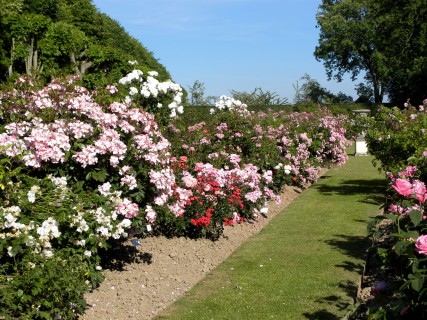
[84, 64]
[378, 95]
[29, 59]
[32, 65]
[12, 57]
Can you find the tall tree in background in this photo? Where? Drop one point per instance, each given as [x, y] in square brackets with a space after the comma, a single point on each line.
[311, 91]
[48, 38]
[9, 8]
[385, 39]
[197, 92]
[407, 21]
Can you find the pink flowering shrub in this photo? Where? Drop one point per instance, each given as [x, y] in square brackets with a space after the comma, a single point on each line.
[404, 254]
[116, 149]
[217, 197]
[81, 170]
[396, 138]
[293, 146]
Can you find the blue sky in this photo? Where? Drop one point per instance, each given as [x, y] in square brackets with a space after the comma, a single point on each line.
[229, 44]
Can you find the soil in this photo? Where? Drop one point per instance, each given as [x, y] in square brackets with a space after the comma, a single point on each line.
[153, 272]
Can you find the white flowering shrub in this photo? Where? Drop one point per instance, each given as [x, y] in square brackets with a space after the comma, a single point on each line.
[160, 98]
[230, 104]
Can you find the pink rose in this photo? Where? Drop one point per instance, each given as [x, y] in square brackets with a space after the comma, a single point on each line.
[403, 187]
[189, 180]
[396, 209]
[419, 189]
[127, 208]
[421, 245]
[410, 170]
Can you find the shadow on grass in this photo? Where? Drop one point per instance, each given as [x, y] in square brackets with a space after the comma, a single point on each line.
[321, 315]
[338, 302]
[373, 189]
[352, 246]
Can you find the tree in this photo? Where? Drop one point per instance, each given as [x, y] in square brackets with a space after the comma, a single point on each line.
[409, 68]
[197, 92]
[26, 30]
[259, 98]
[10, 7]
[383, 38]
[365, 93]
[47, 8]
[63, 47]
[56, 37]
[311, 91]
[344, 98]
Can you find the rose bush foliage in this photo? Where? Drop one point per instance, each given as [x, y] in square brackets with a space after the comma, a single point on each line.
[397, 136]
[396, 139]
[403, 255]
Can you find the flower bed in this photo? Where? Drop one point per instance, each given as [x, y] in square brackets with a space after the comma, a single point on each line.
[83, 169]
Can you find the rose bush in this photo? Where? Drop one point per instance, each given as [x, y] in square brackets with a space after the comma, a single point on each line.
[293, 146]
[403, 255]
[80, 169]
[396, 139]
[397, 136]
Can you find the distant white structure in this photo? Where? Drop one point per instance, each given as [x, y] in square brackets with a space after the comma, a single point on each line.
[361, 146]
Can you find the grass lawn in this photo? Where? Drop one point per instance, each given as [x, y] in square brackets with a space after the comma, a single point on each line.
[305, 264]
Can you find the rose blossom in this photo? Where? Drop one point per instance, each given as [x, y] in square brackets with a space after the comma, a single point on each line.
[150, 214]
[421, 245]
[419, 189]
[189, 180]
[403, 187]
[127, 208]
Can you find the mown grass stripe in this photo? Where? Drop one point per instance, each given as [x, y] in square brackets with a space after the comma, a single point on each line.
[305, 264]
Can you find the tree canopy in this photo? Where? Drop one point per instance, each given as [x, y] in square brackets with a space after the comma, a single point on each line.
[384, 39]
[48, 38]
[312, 92]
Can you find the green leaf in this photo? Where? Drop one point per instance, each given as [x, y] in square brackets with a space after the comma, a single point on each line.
[398, 235]
[416, 217]
[34, 291]
[100, 175]
[415, 266]
[412, 234]
[20, 293]
[406, 203]
[382, 250]
[391, 217]
[402, 246]
[417, 284]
